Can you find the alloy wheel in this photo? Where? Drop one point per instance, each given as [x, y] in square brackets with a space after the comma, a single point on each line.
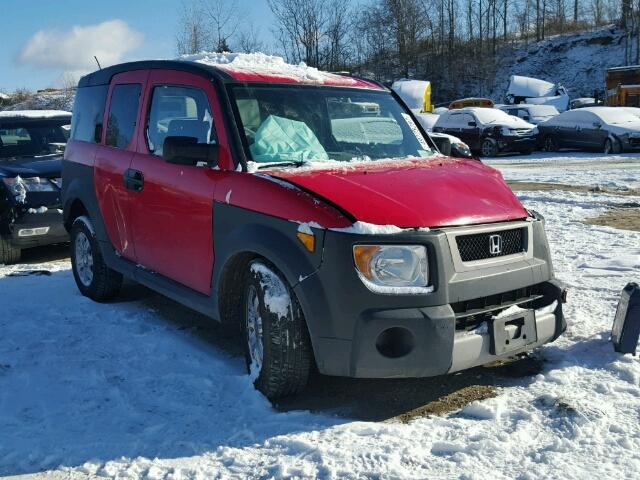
[83, 259]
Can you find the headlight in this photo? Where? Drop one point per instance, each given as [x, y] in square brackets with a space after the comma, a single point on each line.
[506, 131]
[19, 186]
[393, 269]
[58, 182]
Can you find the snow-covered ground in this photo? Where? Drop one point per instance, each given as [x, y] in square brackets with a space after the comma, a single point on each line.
[142, 388]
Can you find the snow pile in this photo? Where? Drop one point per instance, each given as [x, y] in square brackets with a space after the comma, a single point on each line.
[34, 113]
[262, 64]
[616, 172]
[141, 387]
[276, 296]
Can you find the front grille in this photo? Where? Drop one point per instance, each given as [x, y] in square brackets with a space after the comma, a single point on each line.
[481, 246]
[471, 313]
[522, 132]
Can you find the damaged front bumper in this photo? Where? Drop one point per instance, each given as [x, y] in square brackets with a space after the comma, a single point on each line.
[37, 222]
[358, 333]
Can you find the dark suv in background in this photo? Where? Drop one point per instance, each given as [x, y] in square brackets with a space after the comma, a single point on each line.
[32, 143]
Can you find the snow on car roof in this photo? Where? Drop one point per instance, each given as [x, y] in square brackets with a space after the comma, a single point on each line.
[34, 113]
[520, 86]
[611, 115]
[270, 68]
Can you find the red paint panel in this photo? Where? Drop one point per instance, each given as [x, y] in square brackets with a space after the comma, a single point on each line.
[110, 165]
[434, 192]
[260, 193]
[172, 215]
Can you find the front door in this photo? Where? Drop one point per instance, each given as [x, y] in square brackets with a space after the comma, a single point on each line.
[117, 145]
[172, 211]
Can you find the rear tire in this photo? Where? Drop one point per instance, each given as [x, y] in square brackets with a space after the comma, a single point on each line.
[488, 148]
[550, 144]
[8, 253]
[276, 339]
[93, 277]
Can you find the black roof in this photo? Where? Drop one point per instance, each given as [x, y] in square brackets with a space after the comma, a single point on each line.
[103, 76]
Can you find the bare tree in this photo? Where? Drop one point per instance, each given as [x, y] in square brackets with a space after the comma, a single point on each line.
[249, 39]
[193, 34]
[225, 17]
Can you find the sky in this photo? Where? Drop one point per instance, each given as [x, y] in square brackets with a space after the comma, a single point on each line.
[45, 42]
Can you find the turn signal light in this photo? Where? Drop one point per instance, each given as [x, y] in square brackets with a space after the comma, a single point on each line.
[308, 240]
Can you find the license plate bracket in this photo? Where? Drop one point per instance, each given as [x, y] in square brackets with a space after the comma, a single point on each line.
[512, 332]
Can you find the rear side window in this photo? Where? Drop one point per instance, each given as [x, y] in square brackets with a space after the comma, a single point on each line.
[178, 111]
[123, 113]
[88, 110]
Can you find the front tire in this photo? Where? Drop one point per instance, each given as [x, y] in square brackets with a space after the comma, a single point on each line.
[277, 345]
[611, 146]
[92, 275]
[550, 144]
[8, 253]
[488, 148]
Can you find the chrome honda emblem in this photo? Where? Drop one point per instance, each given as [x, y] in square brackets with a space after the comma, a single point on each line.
[495, 244]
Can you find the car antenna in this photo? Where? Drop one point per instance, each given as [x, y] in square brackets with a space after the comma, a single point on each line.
[99, 67]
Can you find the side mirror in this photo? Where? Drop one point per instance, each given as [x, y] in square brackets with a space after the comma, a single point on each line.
[526, 118]
[597, 124]
[443, 144]
[187, 151]
[97, 133]
[472, 124]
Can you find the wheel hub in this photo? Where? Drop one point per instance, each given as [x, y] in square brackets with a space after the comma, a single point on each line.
[83, 259]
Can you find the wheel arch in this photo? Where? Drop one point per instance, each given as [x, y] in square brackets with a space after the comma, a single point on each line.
[241, 236]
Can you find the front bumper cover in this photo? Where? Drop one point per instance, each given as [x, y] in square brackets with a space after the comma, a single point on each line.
[346, 320]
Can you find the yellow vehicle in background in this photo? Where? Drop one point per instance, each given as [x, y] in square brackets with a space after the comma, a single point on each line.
[623, 86]
[471, 102]
[415, 93]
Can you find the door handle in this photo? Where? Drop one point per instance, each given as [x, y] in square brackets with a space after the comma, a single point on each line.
[133, 180]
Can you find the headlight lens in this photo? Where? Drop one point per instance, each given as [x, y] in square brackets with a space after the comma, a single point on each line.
[19, 186]
[506, 131]
[57, 181]
[393, 268]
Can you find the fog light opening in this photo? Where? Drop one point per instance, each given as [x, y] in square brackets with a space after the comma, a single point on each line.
[395, 342]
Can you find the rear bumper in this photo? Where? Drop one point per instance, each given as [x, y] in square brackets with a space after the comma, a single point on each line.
[37, 229]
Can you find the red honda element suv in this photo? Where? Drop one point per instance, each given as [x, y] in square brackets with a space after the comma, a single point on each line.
[310, 209]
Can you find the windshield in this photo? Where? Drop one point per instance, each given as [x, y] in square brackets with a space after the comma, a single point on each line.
[28, 138]
[543, 110]
[294, 124]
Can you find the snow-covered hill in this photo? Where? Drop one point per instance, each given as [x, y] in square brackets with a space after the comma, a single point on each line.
[578, 61]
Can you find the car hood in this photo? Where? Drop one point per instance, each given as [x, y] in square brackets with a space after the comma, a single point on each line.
[630, 128]
[515, 123]
[435, 192]
[50, 167]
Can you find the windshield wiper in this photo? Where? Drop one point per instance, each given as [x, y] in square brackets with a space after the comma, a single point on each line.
[281, 164]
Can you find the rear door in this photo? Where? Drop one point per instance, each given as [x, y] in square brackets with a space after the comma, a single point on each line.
[172, 211]
[114, 155]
